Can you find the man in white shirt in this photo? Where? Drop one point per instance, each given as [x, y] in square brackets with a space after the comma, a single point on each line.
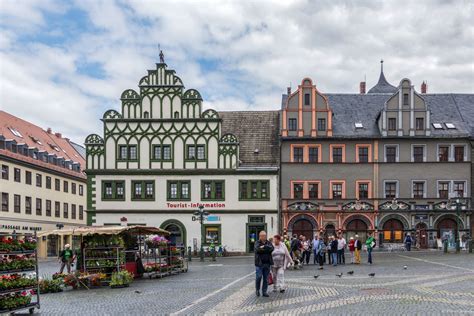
[341, 245]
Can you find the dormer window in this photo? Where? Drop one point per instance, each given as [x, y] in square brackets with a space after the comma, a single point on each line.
[392, 124]
[420, 123]
[405, 99]
[359, 125]
[450, 126]
[176, 115]
[437, 126]
[15, 132]
[146, 114]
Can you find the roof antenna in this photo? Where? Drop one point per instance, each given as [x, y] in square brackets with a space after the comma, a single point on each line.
[381, 65]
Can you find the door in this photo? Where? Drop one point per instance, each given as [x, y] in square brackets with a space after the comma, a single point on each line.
[356, 227]
[421, 235]
[252, 235]
[176, 236]
[52, 245]
[329, 231]
[303, 227]
[447, 229]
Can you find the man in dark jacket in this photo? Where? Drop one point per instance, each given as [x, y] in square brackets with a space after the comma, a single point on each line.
[263, 262]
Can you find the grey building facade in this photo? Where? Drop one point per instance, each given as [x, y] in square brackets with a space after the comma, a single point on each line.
[392, 161]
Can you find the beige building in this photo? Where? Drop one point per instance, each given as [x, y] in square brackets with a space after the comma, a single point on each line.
[42, 184]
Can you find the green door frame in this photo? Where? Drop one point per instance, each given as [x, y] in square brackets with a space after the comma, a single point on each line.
[180, 225]
[248, 225]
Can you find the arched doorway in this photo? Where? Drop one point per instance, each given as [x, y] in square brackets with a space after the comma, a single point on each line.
[421, 235]
[393, 230]
[330, 230]
[303, 227]
[356, 227]
[177, 232]
[447, 229]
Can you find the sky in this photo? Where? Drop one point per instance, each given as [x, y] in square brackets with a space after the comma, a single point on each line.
[64, 63]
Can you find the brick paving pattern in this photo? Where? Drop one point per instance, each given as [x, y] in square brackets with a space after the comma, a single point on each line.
[432, 284]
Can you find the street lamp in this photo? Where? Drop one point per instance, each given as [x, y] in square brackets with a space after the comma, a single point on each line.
[201, 214]
[455, 202]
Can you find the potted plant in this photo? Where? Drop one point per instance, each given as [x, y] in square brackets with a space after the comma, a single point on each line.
[121, 279]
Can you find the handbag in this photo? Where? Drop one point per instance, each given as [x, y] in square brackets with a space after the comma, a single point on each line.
[270, 279]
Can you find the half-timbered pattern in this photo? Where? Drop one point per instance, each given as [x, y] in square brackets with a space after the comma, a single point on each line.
[162, 156]
[391, 161]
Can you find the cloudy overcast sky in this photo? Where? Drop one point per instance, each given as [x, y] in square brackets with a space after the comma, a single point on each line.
[63, 63]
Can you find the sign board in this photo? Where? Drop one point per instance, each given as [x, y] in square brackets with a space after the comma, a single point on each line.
[194, 205]
[419, 207]
[421, 217]
[213, 218]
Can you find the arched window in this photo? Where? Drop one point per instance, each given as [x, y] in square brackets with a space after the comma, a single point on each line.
[146, 114]
[393, 230]
[176, 114]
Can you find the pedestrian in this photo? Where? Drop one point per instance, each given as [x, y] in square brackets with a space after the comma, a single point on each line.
[334, 244]
[295, 250]
[357, 249]
[263, 262]
[306, 250]
[287, 243]
[315, 246]
[66, 257]
[321, 252]
[341, 245]
[328, 248]
[281, 260]
[370, 243]
[351, 247]
[408, 241]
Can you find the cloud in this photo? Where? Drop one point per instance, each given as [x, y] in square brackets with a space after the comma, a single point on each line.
[63, 65]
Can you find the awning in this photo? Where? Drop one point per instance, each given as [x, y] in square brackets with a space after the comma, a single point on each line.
[105, 230]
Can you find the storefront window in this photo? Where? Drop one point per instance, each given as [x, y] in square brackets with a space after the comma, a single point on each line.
[212, 234]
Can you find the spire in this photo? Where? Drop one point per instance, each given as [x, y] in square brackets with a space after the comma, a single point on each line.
[382, 86]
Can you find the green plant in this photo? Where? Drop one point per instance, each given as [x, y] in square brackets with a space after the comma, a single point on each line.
[121, 278]
[51, 286]
[14, 300]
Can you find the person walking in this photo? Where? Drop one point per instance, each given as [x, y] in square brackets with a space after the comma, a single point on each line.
[341, 245]
[281, 260]
[357, 249]
[351, 247]
[370, 243]
[306, 250]
[295, 250]
[408, 241]
[263, 262]
[334, 244]
[328, 250]
[66, 257]
[320, 253]
[315, 247]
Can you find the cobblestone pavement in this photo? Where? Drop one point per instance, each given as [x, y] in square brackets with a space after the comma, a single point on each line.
[433, 284]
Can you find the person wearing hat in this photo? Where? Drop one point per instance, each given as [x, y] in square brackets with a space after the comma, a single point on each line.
[351, 246]
[66, 257]
[357, 249]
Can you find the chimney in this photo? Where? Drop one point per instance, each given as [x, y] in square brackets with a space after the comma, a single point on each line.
[424, 87]
[58, 135]
[49, 130]
[288, 90]
[362, 87]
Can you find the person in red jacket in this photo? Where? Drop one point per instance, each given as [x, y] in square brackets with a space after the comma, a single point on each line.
[351, 246]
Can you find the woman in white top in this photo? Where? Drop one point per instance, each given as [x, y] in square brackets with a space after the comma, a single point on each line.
[281, 261]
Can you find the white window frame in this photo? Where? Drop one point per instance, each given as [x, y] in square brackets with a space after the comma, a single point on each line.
[450, 149]
[425, 188]
[466, 193]
[449, 187]
[397, 157]
[413, 151]
[397, 188]
[451, 157]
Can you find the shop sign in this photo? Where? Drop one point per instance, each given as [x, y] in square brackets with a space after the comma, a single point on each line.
[213, 218]
[19, 227]
[419, 207]
[194, 205]
[421, 217]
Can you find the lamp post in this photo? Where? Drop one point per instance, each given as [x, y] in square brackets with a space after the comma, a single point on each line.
[201, 214]
[455, 202]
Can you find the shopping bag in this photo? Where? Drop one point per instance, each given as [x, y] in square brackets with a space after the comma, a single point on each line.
[270, 279]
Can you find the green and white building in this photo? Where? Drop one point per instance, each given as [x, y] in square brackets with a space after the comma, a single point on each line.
[161, 156]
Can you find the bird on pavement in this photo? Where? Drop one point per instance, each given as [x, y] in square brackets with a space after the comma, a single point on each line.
[339, 275]
[138, 292]
[350, 272]
[371, 274]
[405, 267]
[316, 276]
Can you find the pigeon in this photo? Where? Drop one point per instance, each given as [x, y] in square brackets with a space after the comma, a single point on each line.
[316, 276]
[339, 275]
[350, 272]
[371, 274]
[138, 292]
[405, 267]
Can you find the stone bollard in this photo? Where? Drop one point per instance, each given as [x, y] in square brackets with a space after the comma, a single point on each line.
[190, 253]
[471, 242]
[445, 246]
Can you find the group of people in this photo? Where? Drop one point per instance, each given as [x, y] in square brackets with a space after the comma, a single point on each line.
[274, 256]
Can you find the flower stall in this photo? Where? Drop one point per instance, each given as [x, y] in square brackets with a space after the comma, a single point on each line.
[19, 287]
[163, 258]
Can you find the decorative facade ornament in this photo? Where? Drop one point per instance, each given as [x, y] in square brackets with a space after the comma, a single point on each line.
[394, 205]
[303, 206]
[357, 206]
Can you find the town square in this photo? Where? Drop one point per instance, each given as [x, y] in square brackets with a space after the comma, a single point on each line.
[206, 158]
